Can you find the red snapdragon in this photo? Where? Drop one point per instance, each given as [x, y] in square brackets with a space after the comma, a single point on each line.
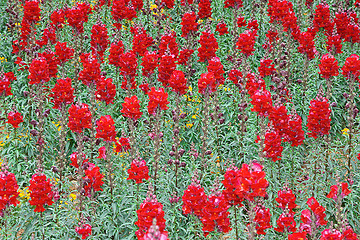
[62, 93]
[262, 219]
[15, 118]
[63, 53]
[266, 68]
[39, 71]
[204, 9]
[93, 179]
[206, 82]
[208, 47]
[5, 81]
[221, 28]
[188, 23]
[178, 82]
[105, 90]
[319, 117]
[262, 102]
[131, 108]
[8, 190]
[217, 68]
[138, 171]
[167, 66]
[157, 99]
[84, 230]
[79, 117]
[99, 40]
[40, 192]
[328, 66]
[106, 128]
[352, 67]
[246, 42]
[91, 72]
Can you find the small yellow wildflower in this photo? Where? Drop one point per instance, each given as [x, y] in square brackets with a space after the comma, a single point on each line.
[345, 131]
[72, 196]
[194, 116]
[189, 125]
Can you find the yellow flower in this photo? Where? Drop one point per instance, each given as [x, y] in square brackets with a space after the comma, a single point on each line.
[193, 116]
[345, 131]
[189, 125]
[24, 193]
[152, 6]
[72, 196]
[190, 88]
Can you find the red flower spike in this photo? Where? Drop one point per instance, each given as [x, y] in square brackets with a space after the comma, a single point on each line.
[297, 236]
[229, 182]
[93, 179]
[295, 133]
[141, 41]
[169, 3]
[344, 189]
[63, 53]
[280, 120]
[5, 81]
[333, 44]
[120, 11]
[241, 22]
[286, 221]
[262, 219]
[168, 44]
[319, 117]
[116, 50]
[15, 118]
[233, 3]
[286, 199]
[188, 23]
[62, 93]
[208, 47]
[49, 35]
[178, 82]
[273, 148]
[79, 117]
[253, 84]
[267, 68]
[57, 18]
[40, 192]
[331, 234]
[307, 45]
[333, 192]
[91, 72]
[105, 90]
[52, 62]
[8, 190]
[204, 9]
[149, 210]
[235, 76]
[106, 128]
[318, 210]
[194, 198]
[328, 66]
[128, 64]
[262, 102]
[131, 108]
[166, 67]
[217, 68]
[78, 15]
[322, 18]
[221, 28]
[352, 67]
[349, 234]
[246, 42]
[207, 81]
[84, 230]
[184, 56]
[122, 145]
[157, 99]
[149, 63]
[74, 159]
[99, 40]
[39, 71]
[138, 171]
[214, 215]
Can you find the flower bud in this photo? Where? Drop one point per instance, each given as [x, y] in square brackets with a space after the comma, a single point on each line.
[171, 153]
[182, 115]
[208, 152]
[181, 152]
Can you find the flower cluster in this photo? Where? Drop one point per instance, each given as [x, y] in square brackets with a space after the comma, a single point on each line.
[91, 72]
[206, 82]
[99, 40]
[334, 191]
[262, 102]
[79, 117]
[352, 67]
[168, 44]
[78, 15]
[106, 128]
[246, 42]
[262, 219]
[188, 23]
[131, 108]
[39, 71]
[105, 90]
[5, 81]
[229, 182]
[328, 66]
[141, 41]
[178, 82]
[116, 50]
[149, 63]
[266, 68]
[307, 45]
[138, 171]
[93, 179]
[217, 68]
[62, 93]
[273, 148]
[319, 117]
[63, 53]
[14, 118]
[167, 66]
[40, 192]
[204, 9]
[84, 230]
[221, 28]
[184, 56]
[157, 100]
[8, 190]
[194, 198]
[208, 47]
[122, 145]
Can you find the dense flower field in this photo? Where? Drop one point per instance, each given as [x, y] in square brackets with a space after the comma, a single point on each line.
[132, 119]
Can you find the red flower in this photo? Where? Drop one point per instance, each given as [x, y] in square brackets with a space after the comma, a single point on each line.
[105, 90]
[149, 63]
[229, 182]
[74, 159]
[331, 234]
[349, 234]
[352, 67]
[5, 81]
[233, 3]
[273, 148]
[157, 99]
[184, 56]
[178, 82]
[262, 102]
[295, 133]
[221, 28]
[241, 22]
[194, 199]
[207, 81]
[169, 3]
[8, 190]
[215, 215]
[78, 15]
[267, 68]
[131, 108]
[204, 9]
[333, 44]
[322, 18]
[319, 117]
[39, 71]
[57, 18]
[49, 34]
[106, 128]
[188, 23]
[168, 43]
[84, 230]
[138, 171]
[262, 219]
[141, 41]
[286, 221]
[166, 67]
[217, 68]
[344, 189]
[91, 72]
[246, 42]
[14, 118]
[128, 64]
[52, 62]
[63, 53]
[333, 192]
[253, 84]
[235, 76]
[122, 145]
[297, 236]
[62, 93]
[318, 210]
[116, 50]
[99, 40]
[79, 117]
[40, 192]
[307, 45]
[120, 11]
[93, 179]
[149, 210]
[328, 66]
[208, 47]
[286, 199]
